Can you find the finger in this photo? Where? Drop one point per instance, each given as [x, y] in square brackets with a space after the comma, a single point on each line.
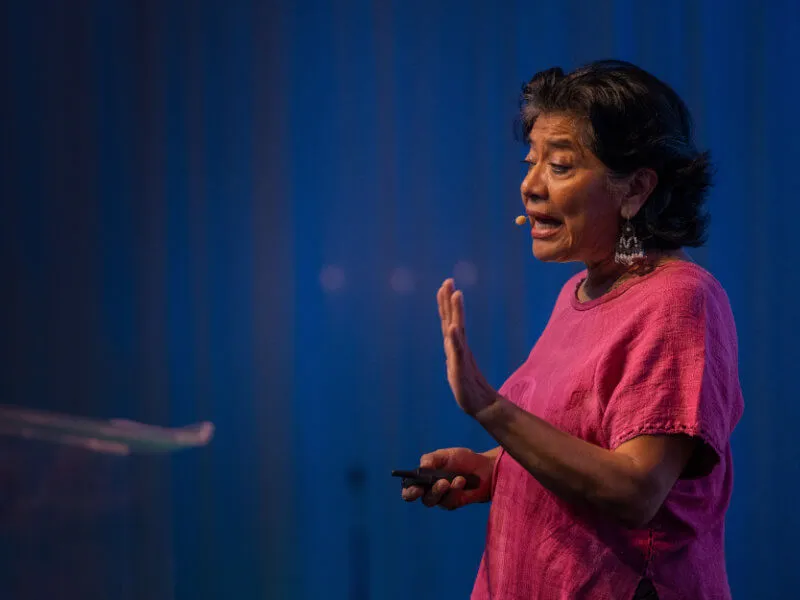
[412, 493]
[449, 346]
[457, 309]
[434, 495]
[441, 302]
[451, 500]
[455, 342]
[434, 460]
[457, 498]
[447, 286]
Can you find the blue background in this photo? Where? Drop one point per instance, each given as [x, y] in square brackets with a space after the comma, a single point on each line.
[240, 211]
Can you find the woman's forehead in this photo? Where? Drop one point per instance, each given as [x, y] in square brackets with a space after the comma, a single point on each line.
[547, 126]
[557, 131]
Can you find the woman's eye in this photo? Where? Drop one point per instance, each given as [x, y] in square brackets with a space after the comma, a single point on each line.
[560, 169]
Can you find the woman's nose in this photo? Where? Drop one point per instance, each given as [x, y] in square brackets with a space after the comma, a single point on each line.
[533, 186]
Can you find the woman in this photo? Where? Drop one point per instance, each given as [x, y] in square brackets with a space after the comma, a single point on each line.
[613, 470]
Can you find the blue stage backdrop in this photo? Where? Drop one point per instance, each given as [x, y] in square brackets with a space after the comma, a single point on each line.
[240, 211]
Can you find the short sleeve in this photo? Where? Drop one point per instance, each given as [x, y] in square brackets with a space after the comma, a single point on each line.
[677, 374]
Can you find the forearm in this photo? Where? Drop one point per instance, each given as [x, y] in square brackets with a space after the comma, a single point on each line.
[575, 470]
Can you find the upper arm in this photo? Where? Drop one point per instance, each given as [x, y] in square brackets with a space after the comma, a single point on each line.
[676, 401]
[657, 461]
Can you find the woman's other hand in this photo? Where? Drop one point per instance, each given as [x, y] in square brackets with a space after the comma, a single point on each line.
[453, 495]
[471, 390]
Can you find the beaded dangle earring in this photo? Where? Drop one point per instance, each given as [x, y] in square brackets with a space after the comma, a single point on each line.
[629, 247]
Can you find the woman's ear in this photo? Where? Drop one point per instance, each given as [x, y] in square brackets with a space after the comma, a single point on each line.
[640, 185]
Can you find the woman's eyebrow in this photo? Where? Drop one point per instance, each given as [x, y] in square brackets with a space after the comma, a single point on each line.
[562, 143]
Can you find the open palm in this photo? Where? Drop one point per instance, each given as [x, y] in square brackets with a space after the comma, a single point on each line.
[470, 388]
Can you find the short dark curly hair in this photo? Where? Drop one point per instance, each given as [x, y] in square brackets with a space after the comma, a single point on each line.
[633, 120]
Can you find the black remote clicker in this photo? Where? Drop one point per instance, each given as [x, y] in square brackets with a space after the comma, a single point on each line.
[427, 477]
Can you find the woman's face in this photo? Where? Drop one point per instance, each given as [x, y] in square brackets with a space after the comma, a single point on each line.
[573, 210]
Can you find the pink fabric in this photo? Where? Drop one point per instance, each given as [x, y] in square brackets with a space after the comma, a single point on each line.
[658, 355]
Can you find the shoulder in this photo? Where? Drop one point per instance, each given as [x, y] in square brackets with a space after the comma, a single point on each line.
[680, 287]
[684, 303]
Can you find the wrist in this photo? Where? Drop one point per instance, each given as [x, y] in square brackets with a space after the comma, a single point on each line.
[493, 413]
[492, 453]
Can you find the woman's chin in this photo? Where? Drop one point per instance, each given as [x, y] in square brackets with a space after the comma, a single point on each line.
[548, 252]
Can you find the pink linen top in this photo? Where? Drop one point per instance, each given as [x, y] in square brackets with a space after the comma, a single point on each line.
[658, 355]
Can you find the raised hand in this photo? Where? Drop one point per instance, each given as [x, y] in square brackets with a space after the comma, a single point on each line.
[470, 388]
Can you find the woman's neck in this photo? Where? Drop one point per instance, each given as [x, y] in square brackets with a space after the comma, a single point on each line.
[606, 274]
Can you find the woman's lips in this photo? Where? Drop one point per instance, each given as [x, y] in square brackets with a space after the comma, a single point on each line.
[545, 228]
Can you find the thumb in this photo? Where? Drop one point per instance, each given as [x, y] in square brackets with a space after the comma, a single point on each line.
[436, 460]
